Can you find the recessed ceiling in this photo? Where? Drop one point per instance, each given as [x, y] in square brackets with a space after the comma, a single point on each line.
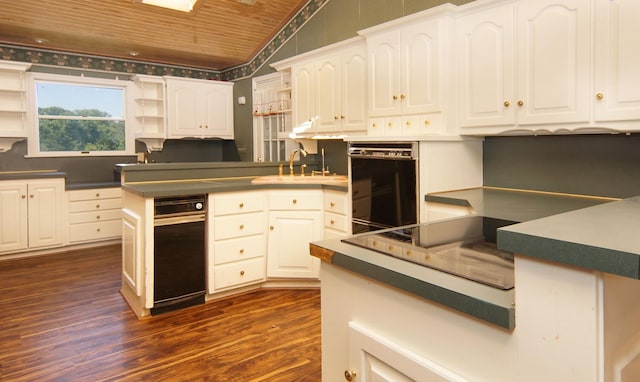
[216, 35]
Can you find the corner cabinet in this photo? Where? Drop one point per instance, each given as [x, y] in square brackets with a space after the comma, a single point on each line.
[295, 220]
[150, 110]
[524, 64]
[31, 214]
[199, 108]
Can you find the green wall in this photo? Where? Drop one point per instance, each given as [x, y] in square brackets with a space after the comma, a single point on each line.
[338, 20]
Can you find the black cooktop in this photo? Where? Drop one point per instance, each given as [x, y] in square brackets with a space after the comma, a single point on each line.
[462, 246]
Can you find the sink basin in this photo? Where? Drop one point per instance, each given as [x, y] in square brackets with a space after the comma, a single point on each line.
[296, 179]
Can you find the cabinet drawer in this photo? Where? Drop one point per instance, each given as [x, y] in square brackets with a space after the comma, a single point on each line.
[243, 248]
[95, 193]
[295, 200]
[238, 203]
[95, 216]
[95, 205]
[228, 227]
[95, 231]
[238, 273]
[335, 202]
[335, 221]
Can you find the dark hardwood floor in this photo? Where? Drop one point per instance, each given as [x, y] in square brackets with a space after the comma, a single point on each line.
[62, 319]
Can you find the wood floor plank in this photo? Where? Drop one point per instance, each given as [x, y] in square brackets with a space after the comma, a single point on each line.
[62, 319]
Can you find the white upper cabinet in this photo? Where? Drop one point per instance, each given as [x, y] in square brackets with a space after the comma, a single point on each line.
[303, 92]
[617, 60]
[404, 70]
[199, 108]
[340, 82]
[409, 83]
[525, 64]
[487, 67]
[553, 61]
[330, 84]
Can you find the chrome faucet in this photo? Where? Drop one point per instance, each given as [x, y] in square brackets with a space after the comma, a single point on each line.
[293, 154]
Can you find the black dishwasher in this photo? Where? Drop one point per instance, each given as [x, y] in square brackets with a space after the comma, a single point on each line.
[179, 252]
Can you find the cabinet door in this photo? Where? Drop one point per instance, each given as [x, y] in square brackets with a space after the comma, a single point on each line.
[384, 74]
[420, 73]
[487, 68]
[13, 216]
[45, 213]
[553, 59]
[302, 93]
[617, 78]
[328, 100]
[354, 87]
[217, 110]
[290, 233]
[182, 105]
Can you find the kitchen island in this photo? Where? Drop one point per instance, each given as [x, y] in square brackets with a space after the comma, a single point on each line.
[575, 302]
[257, 228]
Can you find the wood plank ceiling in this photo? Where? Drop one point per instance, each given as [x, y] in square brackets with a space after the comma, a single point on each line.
[216, 35]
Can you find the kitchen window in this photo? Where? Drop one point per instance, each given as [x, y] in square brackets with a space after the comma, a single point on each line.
[78, 116]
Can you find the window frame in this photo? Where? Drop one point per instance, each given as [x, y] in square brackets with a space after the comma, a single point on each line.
[33, 133]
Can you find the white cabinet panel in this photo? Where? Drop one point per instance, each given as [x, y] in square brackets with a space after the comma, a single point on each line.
[31, 214]
[617, 59]
[544, 80]
[199, 108]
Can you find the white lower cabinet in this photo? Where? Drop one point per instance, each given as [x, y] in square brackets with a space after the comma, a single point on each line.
[295, 220]
[94, 214]
[237, 247]
[336, 218]
[373, 357]
[31, 214]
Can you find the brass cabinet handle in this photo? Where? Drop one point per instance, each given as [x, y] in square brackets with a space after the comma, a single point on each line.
[342, 117]
[350, 375]
[241, 226]
[97, 194]
[374, 125]
[599, 96]
[427, 122]
[408, 123]
[241, 273]
[241, 205]
[98, 230]
[270, 228]
[395, 97]
[507, 104]
[332, 222]
[294, 201]
[402, 96]
[24, 196]
[31, 196]
[336, 117]
[98, 217]
[520, 103]
[332, 204]
[241, 251]
[97, 205]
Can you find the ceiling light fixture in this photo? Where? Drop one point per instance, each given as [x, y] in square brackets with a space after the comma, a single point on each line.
[178, 5]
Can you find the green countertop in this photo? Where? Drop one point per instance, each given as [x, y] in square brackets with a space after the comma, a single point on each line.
[478, 300]
[602, 238]
[213, 185]
[594, 233]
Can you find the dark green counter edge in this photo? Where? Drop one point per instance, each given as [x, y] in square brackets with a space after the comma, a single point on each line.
[580, 255]
[495, 314]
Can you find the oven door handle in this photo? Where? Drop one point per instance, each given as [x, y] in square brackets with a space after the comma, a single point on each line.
[173, 220]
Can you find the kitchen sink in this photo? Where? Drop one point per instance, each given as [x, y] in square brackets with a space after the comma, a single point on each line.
[297, 179]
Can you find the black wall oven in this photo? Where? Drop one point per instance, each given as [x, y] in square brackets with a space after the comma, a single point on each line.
[384, 178]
